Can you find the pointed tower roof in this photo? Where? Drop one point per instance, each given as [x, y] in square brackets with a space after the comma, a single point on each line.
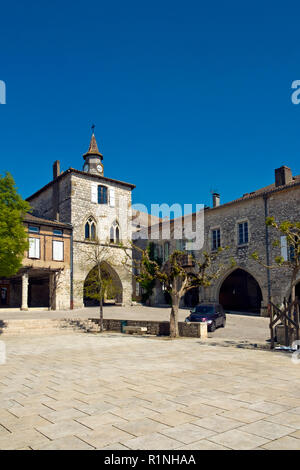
[93, 148]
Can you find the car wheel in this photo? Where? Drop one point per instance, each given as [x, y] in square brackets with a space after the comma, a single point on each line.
[212, 327]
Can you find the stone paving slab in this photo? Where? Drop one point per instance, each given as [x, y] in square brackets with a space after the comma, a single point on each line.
[238, 440]
[105, 435]
[69, 442]
[122, 392]
[188, 433]
[284, 443]
[266, 429]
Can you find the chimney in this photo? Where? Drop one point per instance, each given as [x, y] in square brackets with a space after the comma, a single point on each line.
[56, 169]
[216, 199]
[283, 175]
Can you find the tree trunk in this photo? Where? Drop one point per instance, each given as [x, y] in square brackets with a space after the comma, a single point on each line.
[101, 314]
[293, 285]
[100, 299]
[174, 331]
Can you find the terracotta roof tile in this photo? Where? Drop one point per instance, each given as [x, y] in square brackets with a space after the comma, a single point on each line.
[39, 220]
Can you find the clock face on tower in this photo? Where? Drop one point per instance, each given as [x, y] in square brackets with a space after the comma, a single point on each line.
[86, 167]
[99, 168]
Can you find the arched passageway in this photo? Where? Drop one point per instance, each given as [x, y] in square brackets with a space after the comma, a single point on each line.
[112, 286]
[240, 292]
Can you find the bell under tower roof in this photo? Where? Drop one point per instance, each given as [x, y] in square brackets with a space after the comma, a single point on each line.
[93, 149]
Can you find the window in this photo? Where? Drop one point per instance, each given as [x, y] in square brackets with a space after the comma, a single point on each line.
[137, 289]
[90, 229]
[57, 250]
[33, 229]
[243, 233]
[180, 245]
[216, 239]
[102, 195]
[166, 251]
[112, 197]
[287, 251]
[114, 234]
[157, 251]
[57, 232]
[34, 248]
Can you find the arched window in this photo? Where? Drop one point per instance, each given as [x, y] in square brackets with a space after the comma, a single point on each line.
[90, 229]
[114, 234]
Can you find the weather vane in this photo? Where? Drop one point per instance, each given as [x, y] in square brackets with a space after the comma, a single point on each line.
[93, 128]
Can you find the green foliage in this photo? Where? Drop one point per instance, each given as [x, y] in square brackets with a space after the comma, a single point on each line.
[96, 288]
[291, 231]
[279, 260]
[13, 237]
[255, 256]
[270, 221]
[146, 278]
[175, 274]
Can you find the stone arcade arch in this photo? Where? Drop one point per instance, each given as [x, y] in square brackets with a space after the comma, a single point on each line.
[116, 293]
[240, 292]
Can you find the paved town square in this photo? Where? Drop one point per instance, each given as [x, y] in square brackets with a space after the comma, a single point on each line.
[114, 391]
[149, 229]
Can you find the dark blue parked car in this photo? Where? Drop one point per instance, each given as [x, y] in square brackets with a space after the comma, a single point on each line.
[212, 313]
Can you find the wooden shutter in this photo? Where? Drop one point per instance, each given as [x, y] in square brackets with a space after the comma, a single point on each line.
[112, 197]
[284, 248]
[58, 250]
[31, 248]
[34, 248]
[94, 192]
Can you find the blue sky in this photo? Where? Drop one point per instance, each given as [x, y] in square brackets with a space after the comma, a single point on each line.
[187, 97]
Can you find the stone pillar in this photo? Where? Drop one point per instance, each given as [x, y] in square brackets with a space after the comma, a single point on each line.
[203, 330]
[52, 292]
[24, 305]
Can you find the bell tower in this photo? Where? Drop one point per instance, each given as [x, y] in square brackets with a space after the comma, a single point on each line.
[93, 158]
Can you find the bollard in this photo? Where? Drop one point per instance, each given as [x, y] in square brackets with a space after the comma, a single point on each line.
[203, 330]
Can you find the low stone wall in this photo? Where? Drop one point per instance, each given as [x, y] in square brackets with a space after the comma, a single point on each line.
[157, 328]
[52, 326]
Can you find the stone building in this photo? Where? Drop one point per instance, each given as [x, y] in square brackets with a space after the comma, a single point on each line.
[44, 279]
[240, 225]
[99, 210]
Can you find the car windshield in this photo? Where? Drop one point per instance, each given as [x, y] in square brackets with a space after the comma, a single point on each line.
[203, 310]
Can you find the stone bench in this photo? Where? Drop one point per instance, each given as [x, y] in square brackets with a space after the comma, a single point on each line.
[140, 330]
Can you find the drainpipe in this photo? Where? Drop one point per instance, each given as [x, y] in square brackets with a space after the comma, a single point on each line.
[71, 273]
[267, 247]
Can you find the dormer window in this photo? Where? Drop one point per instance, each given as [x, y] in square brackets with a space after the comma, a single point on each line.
[90, 229]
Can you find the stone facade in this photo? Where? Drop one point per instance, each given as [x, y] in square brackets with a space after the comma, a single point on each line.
[281, 202]
[73, 197]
